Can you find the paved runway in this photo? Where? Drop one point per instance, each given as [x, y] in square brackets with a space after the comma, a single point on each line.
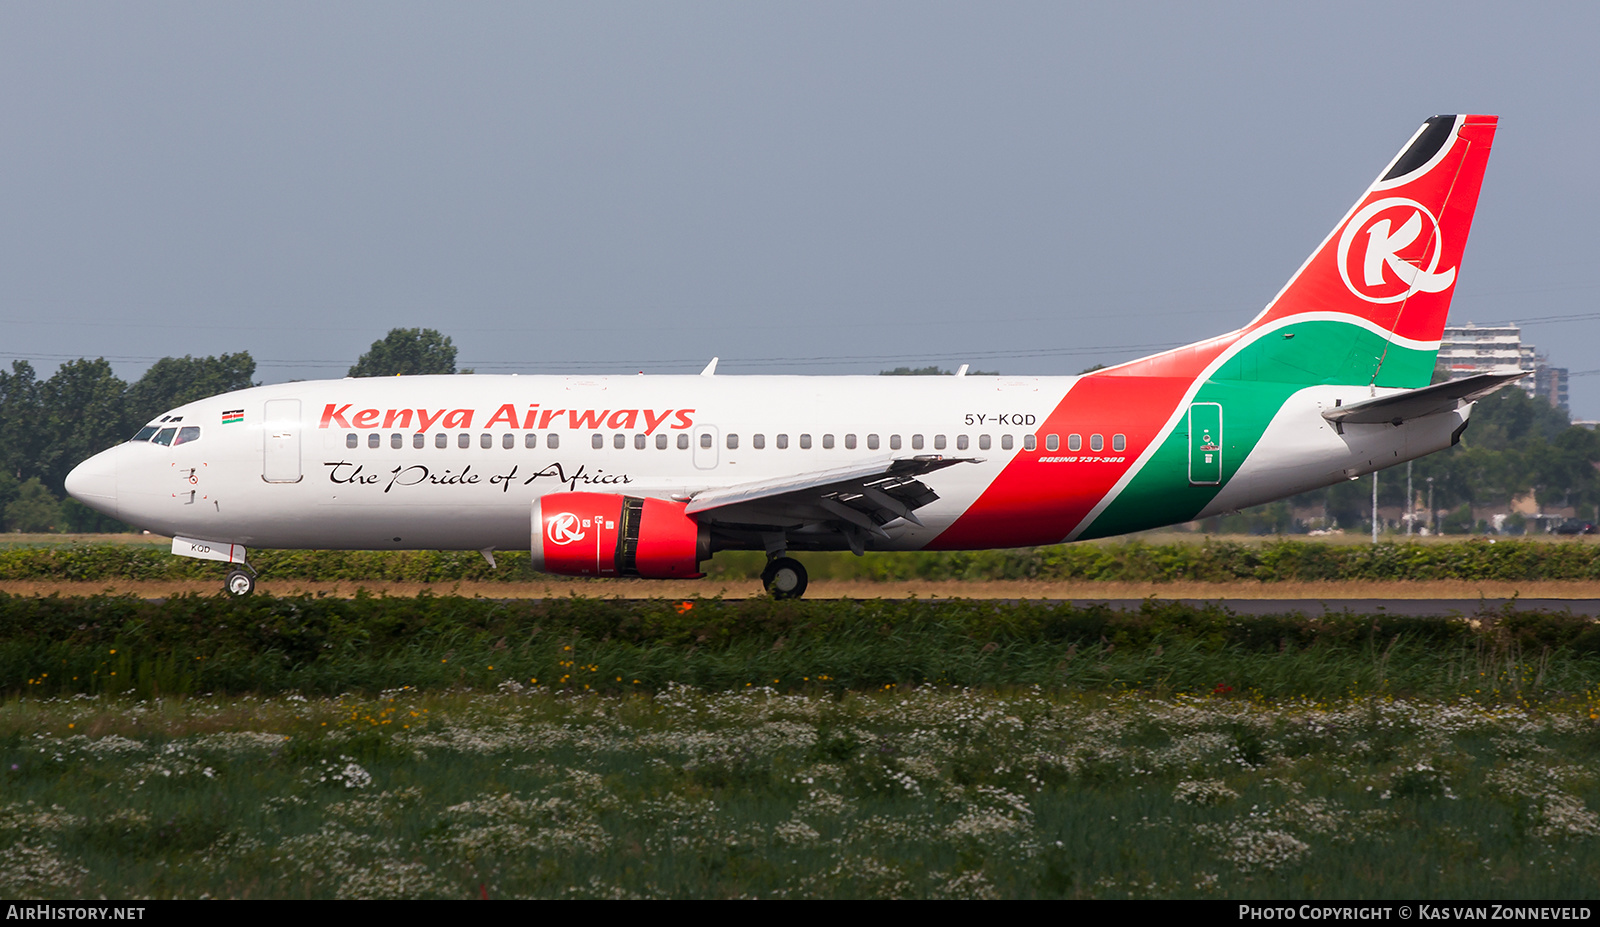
[1409, 607]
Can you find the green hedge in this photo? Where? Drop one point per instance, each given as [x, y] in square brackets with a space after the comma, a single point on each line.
[1130, 561]
[193, 644]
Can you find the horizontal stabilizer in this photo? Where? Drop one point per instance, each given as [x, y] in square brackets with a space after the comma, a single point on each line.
[1416, 403]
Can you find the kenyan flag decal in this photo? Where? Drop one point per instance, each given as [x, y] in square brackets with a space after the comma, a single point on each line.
[233, 418]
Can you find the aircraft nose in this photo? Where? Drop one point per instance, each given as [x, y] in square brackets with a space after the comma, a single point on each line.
[94, 482]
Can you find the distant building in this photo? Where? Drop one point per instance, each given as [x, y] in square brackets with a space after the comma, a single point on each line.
[1550, 383]
[1473, 349]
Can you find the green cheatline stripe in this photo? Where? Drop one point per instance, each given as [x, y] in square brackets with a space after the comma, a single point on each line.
[1251, 387]
[1327, 352]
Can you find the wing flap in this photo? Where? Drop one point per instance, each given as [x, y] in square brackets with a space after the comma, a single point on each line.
[865, 496]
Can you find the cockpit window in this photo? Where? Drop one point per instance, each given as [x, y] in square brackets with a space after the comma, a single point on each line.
[144, 433]
[188, 433]
[164, 437]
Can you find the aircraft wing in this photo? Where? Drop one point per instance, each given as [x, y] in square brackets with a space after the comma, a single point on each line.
[857, 500]
[1429, 400]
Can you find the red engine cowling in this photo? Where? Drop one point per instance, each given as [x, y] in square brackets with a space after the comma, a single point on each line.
[605, 534]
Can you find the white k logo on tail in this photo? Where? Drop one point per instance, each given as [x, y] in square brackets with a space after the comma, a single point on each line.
[1394, 231]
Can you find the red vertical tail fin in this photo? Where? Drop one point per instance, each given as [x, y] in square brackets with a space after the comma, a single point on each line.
[1391, 264]
[1370, 303]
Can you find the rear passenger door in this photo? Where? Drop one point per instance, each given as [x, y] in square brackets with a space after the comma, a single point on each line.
[1205, 444]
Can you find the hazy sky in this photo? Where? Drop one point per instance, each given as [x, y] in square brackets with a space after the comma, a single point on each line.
[799, 188]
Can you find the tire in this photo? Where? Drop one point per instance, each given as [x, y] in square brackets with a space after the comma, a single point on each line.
[785, 578]
[239, 583]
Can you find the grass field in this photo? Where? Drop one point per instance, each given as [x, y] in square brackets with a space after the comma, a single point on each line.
[444, 747]
[928, 793]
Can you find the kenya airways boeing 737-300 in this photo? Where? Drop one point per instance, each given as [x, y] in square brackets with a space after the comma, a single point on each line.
[650, 475]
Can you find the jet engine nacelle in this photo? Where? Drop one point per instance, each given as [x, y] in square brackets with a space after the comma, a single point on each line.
[605, 534]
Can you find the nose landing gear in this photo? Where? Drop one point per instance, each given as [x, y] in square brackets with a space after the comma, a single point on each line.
[241, 580]
[785, 578]
[238, 582]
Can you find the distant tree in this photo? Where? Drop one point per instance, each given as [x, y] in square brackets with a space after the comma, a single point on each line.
[1509, 415]
[172, 381]
[83, 410]
[77, 518]
[20, 434]
[1458, 521]
[934, 371]
[9, 485]
[34, 510]
[407, 352]
[1091, 369]
[1349, 503]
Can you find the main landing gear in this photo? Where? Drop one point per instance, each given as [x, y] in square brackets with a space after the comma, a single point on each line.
[784, 578]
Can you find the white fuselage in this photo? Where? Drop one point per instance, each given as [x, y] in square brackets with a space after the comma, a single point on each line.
[455, 462]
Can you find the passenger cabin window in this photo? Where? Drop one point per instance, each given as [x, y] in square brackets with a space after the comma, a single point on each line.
[374, 439]
[683, 442]
[350, 440]
[619, 441]
[983, 442]
[530, 440]
[916, 442]
[1119, 442]
[758, 441]
[639, 442]
[938, 442]
[705, 439]
[552, 441]
[733, 442]
[1097, 443]
[894, 442]
[509, 440]
[1028, 442]
[849, 442]
[805, 442]
[783, 442]
[1074, 442]
[661, 442]
[872, 442]
[598, 441]
[441, 440]
[397, 440]
[827, 441]
[961, 442]
[1051, 442]
[1005, 442]
[463, 440]
[418, 440]
[486, 440]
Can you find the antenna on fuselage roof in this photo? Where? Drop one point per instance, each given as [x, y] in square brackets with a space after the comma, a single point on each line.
[962, 370]
[711, 369]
